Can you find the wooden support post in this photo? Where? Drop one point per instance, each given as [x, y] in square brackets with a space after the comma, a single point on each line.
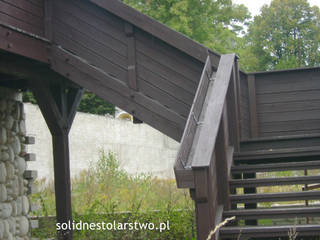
[131, 56]
[201, 198]
[253, 106]
[250, 205]
[58, 105]
[222, 162]
[233, 113]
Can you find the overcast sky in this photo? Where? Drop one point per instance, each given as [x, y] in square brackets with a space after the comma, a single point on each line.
[255, 5]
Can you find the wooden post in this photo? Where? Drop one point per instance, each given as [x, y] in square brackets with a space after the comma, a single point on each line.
[58, 105]
[253, 106]
[222, 162]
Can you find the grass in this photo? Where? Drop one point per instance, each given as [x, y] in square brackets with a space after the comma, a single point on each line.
[107, 193]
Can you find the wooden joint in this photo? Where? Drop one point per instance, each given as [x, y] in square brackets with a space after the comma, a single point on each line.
[30, 157]
[30, 174]
[129, 30]
[131, 56]
[32, 189]
[29, 140]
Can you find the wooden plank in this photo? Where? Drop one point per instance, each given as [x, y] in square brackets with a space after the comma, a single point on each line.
[9, 20]
[213, 112]
[191, 125]
[276, 167]
[20, 14]
[269, 231]
[48, 12]
[163, 97]
[166, 73]
[288, 107]
[95, 53]
[87, 19]
[221, 160]
[274, 213]
[38, 3]
[275, 197]
[253, 106]
[117, 93]
[154, 45]
[73, 18]
[289, 116]
[308, 95]
[172, 89]
[19, 43]
[290, 126]
[169, 57]
[131, 56]
[262, 182]
[26, 6]
[157, 29]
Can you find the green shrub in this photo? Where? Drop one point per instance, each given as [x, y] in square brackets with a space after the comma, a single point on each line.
[106, 193]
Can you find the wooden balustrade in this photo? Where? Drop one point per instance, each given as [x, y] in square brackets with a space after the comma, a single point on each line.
[211, 136]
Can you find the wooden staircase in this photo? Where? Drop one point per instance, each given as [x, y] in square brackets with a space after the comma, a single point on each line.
[275, 213]
[269, 184]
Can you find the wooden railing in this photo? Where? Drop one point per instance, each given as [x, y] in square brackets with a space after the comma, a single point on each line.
[211, 135]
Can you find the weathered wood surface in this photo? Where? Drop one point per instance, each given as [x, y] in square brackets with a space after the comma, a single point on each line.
[17, 41]
[212, 114]
[23, 14]
[211, 134]
[288, 102]
[58, 109]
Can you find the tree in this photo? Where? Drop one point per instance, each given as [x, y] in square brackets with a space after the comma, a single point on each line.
[214, 23]
[285, 35]
[90, 103]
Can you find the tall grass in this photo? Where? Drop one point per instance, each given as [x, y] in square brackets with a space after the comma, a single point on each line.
[106, 193]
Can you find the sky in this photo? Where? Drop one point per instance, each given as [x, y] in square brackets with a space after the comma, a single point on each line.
[255, 5]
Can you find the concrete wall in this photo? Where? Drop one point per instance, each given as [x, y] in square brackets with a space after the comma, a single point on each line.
[138, 147]
[14, 202]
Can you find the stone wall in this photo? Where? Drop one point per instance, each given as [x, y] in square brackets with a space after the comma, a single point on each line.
[14, 187]
[138, 147]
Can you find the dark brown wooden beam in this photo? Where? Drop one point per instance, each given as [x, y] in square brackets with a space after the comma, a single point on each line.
[253, 106]
[58, 105]
[131, 56]
[222, 162]
[17, 41]
[117, 92]
[48, 11]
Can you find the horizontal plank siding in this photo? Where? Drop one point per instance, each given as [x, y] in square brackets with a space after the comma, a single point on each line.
[288, 102]
[22, 14]
[163, 74]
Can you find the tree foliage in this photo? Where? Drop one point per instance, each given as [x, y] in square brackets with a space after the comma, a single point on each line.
[214, 23]
[90, 103]
[285, 35]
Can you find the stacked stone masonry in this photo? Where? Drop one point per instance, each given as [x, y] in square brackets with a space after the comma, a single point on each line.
[15, 180]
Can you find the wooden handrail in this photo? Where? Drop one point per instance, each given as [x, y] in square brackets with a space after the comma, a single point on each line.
[212, 113]
[211, 136]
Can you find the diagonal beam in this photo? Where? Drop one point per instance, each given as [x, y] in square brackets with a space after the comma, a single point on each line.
[58, 105]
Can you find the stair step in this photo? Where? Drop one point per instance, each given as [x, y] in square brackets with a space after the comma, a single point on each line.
[278, 155]
[260, 182]
[273, 213]
[275, 197]
[275, 167]
[270, 231]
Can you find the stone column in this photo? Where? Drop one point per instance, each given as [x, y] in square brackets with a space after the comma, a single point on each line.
[14, 187]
